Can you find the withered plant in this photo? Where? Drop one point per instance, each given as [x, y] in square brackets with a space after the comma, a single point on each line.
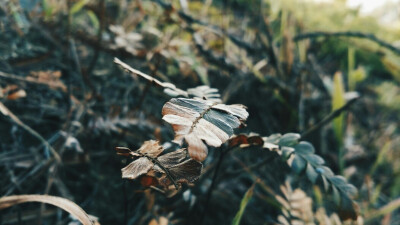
[200, 119]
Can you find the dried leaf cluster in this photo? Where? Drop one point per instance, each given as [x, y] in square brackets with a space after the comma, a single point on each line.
[167, 170]
[197, 122]
[297, 208]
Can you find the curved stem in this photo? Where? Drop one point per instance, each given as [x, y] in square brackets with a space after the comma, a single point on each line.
[212, 186]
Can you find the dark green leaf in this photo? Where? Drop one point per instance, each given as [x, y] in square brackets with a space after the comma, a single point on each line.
[338, 181]
[289, 139]
[286, 152]
[315, 160]
[298, 164]
[325, 171]
[311, 174]
[274, 138]
[325, 183]
[350, 190]
[336, 195]
[304, 148]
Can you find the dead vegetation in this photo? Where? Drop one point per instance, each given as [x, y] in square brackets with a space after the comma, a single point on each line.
[203, 90]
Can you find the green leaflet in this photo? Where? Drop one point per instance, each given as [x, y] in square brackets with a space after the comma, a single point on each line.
[245, 200]
[78, 6]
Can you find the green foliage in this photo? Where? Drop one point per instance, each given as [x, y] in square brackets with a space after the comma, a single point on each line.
[392, 64]
[338, 101]
[76, 7]
[48, 9]
[303, 161]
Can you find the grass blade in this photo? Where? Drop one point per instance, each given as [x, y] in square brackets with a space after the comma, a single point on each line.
[245, 200]
[63, 203]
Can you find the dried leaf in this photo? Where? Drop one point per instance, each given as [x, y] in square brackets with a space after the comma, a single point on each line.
[181, 168]
[244, 141]
[63, 203]
[147, 181]
[296, 206]
[161, 221]
[197, 121]
[136, 168]
[50, 78]
[204, 92]
[175, 167]
[151, 149]
[186, 172]
[123, 151]
[16, 95]
[170, 159]
[12, 92]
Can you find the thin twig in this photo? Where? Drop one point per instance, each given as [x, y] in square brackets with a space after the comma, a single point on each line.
[147, 87]
[13, 77]
[158, 163]
[353, 34]
[328, 118]
[6, 112]
[149, 78]
[254, 166]
[212, 186]
[169, 175]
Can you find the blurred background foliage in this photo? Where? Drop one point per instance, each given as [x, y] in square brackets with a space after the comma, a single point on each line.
[64, 93]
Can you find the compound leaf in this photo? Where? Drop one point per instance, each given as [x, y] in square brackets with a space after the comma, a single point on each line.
[175, 167]
[197, 121]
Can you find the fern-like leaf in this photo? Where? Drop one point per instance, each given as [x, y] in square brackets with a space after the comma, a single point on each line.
[197, 121]
[175, 167]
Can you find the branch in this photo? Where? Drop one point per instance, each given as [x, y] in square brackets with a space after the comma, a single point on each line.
[169, 175]
[151, 79]
[353, 34]
[329, 118]
[212, 186]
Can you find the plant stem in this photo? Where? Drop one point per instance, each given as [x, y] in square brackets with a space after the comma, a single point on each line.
[351, 34]
[328, 118]
[125, 202]
[212, 186]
